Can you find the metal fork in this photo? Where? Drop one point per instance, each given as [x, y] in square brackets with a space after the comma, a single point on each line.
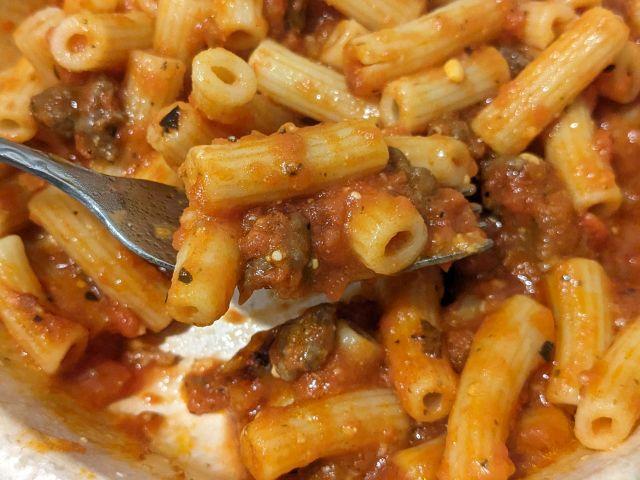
[133, 210]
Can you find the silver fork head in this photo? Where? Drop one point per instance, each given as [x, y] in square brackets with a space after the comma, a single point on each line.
[143, 215]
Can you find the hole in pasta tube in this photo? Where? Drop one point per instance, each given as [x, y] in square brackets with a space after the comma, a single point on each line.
[397, 243]
[241, 39]
[77, 43]
[224, 74]
[9, 126]
[432, 402]
[602, 425]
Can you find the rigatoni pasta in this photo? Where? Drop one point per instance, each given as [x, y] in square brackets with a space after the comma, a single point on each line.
[206, 273]
[505, 350]
[222, 84]
[332, 53]
[118, 272]
[378, 14]
[418, 463]
[387, 233]
[281, 439]
[544, 22]
[32, 39]
[550, 82]
[447, 158]
[410, 103]
[54, 343]
[608, 409]
[227, 174]
[17, 85]
[88, 41]
[175, 27]
[571, 149]
[580, 297]
[175, 129]
[305, 86]
[238, 24]
[151, 82]
[424, 380]
[374, 59]
[622, 83]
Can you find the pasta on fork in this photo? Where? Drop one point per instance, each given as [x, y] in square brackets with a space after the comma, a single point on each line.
[325, 147]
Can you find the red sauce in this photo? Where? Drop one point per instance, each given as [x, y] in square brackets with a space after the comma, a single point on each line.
[73, 294]
[536, 226]
[333, 264]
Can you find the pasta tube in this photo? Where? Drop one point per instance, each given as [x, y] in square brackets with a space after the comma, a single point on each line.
[222, 84]
[527, 104]
[150, 83]
[418, 463]
[177, 128]
[579, 295]
[305, 86]
[543, 20]
[610, 405]
[588, 177]
[372, 60]
[254, 170]
[88, 41]
[622, 83]
[32, 39]
[446, 158]
[54, 343]
[386, 232]
[423, 380]
[239, 24]
[207, 271]
[119, 273]
[377, 14]
[281, 439]
[410, 103]
[333, 49]
[505, 350]
[17, 85]
[176, 26]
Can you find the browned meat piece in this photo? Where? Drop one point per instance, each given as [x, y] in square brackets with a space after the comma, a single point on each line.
[55, 108]
[537, 215]
[517, 58]
[458, 343]
[304, 344]
[90, 113]
[420, 182]
[456, 125]
[276, 249]
[100, 118]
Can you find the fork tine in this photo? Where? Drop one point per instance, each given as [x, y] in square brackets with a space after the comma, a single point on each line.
[451, 257]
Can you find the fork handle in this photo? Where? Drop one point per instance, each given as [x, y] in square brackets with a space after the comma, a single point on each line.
[71, 179]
